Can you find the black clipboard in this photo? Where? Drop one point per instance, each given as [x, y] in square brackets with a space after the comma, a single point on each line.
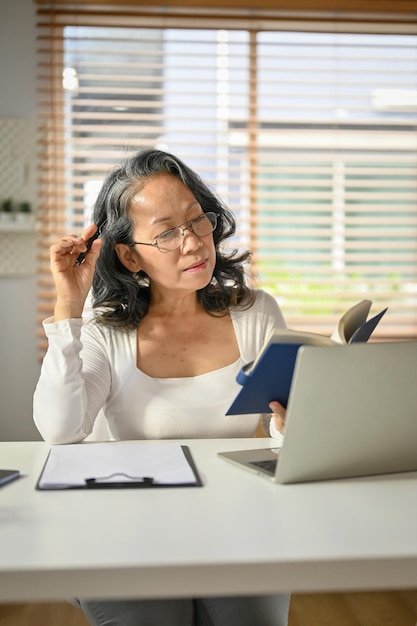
[115, 479]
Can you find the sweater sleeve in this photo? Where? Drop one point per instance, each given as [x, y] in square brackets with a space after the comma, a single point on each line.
[72, 386]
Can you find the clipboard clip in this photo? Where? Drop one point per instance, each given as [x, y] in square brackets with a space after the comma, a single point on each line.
[107, 482]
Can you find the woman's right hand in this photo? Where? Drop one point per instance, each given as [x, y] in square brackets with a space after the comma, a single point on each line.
[72, 281]
[278, 415]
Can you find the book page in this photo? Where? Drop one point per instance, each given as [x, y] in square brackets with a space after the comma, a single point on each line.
[292, 336]
[351, 321]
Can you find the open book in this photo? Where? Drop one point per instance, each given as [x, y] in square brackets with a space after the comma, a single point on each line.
[269, 377]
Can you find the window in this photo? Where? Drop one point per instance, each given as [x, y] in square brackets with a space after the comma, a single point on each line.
[307, 133]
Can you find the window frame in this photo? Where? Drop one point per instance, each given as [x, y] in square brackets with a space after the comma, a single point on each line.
[52, 201]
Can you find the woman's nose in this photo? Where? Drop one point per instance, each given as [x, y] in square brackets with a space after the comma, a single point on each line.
[190, 240]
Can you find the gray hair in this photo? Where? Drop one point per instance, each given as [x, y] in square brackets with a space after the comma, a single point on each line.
[120, 297]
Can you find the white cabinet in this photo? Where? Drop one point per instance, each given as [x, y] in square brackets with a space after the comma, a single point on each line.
[17, 248]
[18, 181]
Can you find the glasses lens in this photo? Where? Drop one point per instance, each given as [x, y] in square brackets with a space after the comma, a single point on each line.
[204, 224]
[170, 240]
[201, 226]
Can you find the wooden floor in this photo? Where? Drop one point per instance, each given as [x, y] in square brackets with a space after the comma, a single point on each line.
[397, 608]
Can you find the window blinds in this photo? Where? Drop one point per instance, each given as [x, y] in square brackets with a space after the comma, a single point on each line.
[306, 129]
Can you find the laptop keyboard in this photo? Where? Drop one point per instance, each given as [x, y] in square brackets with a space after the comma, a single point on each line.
[266, 466]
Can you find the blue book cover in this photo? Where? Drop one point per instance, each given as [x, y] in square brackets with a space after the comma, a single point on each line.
[269, 377]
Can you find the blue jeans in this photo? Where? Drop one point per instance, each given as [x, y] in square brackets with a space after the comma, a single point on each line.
[230, 611]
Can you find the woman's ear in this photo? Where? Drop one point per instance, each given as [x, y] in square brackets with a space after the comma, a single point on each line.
[128, 257]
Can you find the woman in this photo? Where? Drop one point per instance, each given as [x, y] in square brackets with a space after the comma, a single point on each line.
[174, 322]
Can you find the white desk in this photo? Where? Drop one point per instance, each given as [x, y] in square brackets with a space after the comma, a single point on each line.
[237, 534]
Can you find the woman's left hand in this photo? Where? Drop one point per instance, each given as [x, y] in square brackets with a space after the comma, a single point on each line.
[278, 413]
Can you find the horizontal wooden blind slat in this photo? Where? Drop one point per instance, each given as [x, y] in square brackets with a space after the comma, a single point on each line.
[332, 7]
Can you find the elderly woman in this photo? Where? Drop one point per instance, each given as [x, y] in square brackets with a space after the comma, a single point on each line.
[174, 321]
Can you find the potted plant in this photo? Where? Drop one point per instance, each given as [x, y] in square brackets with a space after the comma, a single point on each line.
[24, 211]
[6, 210]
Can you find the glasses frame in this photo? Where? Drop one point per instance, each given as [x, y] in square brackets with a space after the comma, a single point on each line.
[212, 216]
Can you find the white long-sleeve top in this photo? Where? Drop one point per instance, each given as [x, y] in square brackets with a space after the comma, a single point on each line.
[92, 366]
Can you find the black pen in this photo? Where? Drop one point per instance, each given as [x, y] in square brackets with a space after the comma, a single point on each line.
[80, 258]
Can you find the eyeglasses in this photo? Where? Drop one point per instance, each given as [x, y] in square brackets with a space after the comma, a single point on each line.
[172, 239]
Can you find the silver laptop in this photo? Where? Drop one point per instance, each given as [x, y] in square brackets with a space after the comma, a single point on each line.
[352, 411]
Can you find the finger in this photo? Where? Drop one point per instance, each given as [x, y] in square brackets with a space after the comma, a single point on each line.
[93, 252]
[89, 232]
[278, 413]
[277, 409]
[67, 245]
[279, 422]
[91, 236]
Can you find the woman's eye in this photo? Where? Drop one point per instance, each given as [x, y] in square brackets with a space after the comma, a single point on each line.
[169, 234]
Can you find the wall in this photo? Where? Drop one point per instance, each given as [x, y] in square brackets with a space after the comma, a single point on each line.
[19, 366]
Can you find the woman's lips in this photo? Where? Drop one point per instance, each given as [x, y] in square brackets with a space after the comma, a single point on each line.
[201, 265]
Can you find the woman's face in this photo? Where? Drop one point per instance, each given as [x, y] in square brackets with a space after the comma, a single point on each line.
[164, 202]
